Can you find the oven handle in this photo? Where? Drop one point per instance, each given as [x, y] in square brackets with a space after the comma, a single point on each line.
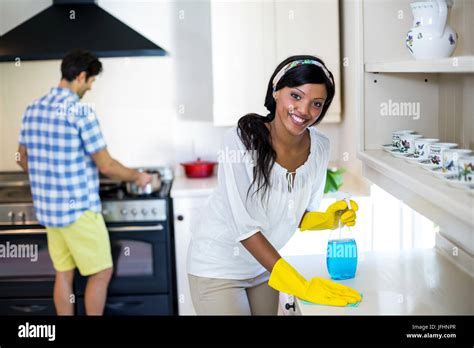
[110, 229]
[135, 228]
[28, 308]
[27, 231]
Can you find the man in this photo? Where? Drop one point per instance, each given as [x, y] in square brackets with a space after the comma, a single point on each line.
[62, 149]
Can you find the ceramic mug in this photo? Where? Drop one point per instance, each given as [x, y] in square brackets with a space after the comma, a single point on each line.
[407, 142]
[466, 169]
[436, 151]
[396, 141]
[422, 146]
[450, 157]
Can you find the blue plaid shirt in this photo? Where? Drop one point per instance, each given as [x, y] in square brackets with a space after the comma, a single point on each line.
[60, 135]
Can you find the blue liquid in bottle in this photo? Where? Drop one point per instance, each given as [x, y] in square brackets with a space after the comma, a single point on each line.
[341, 258]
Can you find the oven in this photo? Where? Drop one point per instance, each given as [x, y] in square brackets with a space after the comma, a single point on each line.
[142, 269]
[141, 237]
[26, 271]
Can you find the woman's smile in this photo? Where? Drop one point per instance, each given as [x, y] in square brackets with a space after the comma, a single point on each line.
[297, 120]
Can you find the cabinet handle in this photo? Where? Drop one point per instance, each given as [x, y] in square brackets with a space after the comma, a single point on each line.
[180, 217]
[121, 305]
[28, 309]
[288, 306]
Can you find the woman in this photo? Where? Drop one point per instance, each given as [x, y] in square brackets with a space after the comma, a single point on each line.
[263, 196]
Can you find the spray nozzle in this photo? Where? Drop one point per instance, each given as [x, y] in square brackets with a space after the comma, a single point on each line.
[346, 196]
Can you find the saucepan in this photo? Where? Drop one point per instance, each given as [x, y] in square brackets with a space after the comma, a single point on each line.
[151, 187]
[199, 168]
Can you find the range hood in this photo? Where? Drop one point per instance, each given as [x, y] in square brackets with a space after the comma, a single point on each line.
[69, 24]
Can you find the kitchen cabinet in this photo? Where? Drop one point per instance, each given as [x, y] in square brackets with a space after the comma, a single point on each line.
[188, 196]
[442, 89]
[250, 38]
[27, 306]
[311, 27]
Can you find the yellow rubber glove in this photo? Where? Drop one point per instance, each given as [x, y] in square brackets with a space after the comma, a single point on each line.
[286, 279]
[329, 220]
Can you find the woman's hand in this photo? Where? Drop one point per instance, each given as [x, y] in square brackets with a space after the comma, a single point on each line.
[286, 279]
[329, 220]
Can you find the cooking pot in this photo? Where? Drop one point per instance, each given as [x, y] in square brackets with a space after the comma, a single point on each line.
[151, 187]
[199, 168]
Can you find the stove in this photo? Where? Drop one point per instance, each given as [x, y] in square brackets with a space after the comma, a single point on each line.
[142, 243]
[16, 202]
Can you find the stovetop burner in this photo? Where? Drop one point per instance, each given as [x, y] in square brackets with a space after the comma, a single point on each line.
[16, 203]
[118, 192]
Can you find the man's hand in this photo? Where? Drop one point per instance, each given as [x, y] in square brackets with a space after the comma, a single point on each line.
[142, 179]
[113, 169]
[22, 158]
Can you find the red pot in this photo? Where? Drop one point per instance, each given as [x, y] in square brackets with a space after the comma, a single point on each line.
[199, 169]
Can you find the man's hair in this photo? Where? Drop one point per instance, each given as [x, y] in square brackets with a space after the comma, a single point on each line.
[77, 61]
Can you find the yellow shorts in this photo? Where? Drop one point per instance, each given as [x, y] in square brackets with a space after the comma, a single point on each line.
[83, 244]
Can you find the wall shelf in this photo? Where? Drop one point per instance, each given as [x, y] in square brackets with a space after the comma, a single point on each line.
[449, 207]
[462, 64]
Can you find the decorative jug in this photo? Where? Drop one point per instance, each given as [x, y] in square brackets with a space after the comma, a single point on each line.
[431, 37]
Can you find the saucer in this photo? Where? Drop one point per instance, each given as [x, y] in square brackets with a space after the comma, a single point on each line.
[430, 167]
[399, 154]
[426, 164]
[438, 171]
[412, 159]
[452, 181]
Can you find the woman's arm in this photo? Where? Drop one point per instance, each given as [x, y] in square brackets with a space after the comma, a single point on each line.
[262, 250]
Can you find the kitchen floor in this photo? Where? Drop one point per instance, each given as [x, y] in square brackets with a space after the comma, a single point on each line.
[384, 223]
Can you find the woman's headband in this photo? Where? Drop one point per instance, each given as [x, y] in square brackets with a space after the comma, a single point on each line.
[296, 63]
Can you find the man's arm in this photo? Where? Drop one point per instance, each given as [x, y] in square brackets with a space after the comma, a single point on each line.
[22, 158]
[113, 169]
[262, 250]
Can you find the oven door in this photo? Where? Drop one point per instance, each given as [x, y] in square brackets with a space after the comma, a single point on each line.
[141, 260]
[26, 269]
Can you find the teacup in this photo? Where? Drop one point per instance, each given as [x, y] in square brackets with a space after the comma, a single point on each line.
[450, 157]
[422, 146]
[466, 169]
[407, 142]
[396, 141]
[436, 151]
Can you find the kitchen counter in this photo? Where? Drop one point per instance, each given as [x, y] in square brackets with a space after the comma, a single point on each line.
[195, 187]
[414, 282]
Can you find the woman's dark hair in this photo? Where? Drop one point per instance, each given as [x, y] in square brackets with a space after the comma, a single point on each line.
[252, 129]
[77, 61]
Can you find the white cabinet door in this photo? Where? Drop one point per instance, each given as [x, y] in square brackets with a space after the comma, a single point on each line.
[249, 39]
[311, 27]
[243, 58]
[185, 213]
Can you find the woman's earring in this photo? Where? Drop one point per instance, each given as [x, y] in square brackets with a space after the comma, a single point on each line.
[274, 95]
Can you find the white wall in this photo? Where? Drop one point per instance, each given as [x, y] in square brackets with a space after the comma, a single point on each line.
[152, 109]
[351, 55]
[14, 12]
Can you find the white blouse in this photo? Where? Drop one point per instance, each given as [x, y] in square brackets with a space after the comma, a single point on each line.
[230, 216]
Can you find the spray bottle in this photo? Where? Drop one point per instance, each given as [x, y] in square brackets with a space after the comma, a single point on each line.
[341, 258]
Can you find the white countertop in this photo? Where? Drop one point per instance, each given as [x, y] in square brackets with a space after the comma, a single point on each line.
[415, 282]
[192, 187]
